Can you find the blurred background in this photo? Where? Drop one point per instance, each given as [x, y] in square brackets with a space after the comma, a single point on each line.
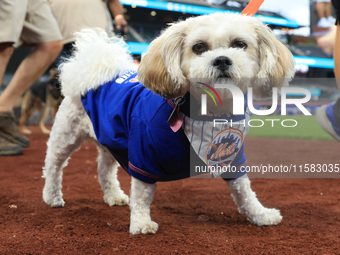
[295, 23]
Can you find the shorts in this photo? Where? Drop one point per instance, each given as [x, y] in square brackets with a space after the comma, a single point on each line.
[74, 15]
[336, 6]
[27, 21]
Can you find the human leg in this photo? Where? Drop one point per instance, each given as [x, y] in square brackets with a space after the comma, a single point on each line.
[33, 24]
[328, 9]
[7, 147]
[337, 54]
[30, 69]
[320, 9]
[324, 11]
[6, 51]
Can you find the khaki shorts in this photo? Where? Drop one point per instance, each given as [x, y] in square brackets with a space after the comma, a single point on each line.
[27, 21]
[74, 15]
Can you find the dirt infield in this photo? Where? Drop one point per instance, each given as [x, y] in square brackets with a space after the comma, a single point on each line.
[196, 216]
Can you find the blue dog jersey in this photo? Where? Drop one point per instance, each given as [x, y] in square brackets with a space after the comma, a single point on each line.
[131, 122]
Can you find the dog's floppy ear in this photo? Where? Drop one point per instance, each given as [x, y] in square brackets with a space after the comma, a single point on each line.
[276, 61]
[160, 68]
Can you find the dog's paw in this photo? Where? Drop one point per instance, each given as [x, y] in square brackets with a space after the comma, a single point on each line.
[117, 199]
[53, 201]
[267, 217]
[149, 227]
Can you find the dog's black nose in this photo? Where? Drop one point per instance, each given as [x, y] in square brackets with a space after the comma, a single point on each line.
[222, 63]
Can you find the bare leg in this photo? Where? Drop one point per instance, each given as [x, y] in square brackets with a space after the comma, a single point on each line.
[6, 51]
[337, 55]
[140, 200]
[320, 9]
[6, 148]
[30, 69]
[328, 9]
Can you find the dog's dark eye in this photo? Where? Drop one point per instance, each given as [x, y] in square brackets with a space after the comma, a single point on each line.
[239, 44]
[199, 48]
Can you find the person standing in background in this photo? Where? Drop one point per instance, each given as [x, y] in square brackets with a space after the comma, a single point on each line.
[30, 22]
[328, 116]
[72, 16]
[324, 10]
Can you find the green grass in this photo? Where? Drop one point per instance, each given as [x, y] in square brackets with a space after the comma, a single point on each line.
[307, 128]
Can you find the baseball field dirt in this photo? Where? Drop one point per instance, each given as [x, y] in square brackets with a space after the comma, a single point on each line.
[196, 216]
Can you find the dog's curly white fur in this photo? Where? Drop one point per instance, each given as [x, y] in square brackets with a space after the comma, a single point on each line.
[166, 69]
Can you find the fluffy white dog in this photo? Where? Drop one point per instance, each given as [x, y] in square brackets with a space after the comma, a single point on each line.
[106, 102]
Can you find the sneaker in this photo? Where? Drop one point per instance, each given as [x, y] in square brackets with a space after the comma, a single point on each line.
[323, 22]
[326, 120]
[10, 131]
[9, 149]
[331, 20]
